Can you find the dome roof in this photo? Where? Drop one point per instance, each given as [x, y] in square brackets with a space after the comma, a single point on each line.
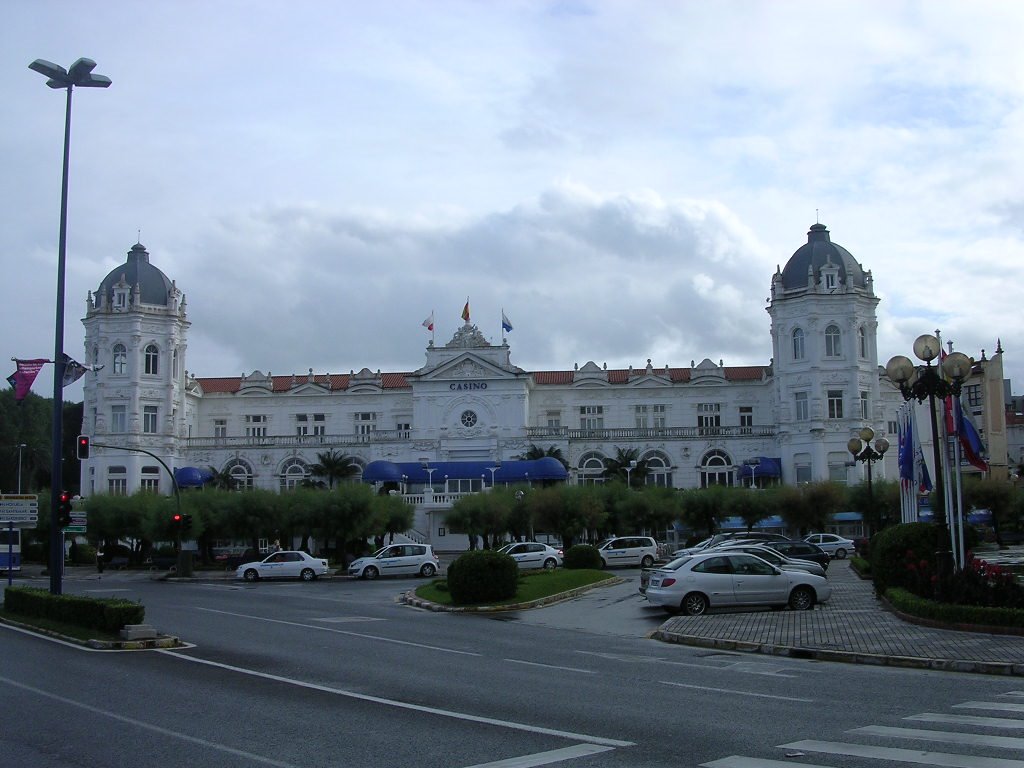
[154, 287]
[819, 251]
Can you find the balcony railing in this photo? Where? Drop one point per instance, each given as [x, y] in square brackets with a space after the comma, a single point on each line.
[648, 433]
[300, 441]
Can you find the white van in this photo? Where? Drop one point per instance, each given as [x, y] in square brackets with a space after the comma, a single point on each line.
[629, 551]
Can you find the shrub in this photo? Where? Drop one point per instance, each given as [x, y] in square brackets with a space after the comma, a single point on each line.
[984, 584]
[904, 556]
[482, 576]
[582, 556]
[988, 616]
[106, 614]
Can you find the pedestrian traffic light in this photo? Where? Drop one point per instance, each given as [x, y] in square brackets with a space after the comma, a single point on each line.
[83, 446]
[64, 509]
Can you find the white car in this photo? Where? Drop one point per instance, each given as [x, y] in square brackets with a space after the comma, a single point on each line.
[397, 560]
[530, 554]
[284, 565]
[696, 583]
[836, 546]
[629, 551]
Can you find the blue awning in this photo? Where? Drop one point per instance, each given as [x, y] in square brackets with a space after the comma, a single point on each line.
[765, 467]
[547, 468]
[192, 477]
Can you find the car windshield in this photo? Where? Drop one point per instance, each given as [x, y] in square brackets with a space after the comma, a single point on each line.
[676, 564]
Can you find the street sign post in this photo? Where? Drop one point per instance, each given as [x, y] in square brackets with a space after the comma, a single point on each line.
[19, 509]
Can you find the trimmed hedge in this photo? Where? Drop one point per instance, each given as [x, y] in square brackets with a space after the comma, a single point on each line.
[582, 556]
[482, 576]
[904, 556]
[106, 614]
[985, 616]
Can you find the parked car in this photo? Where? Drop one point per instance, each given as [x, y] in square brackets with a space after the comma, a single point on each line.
[729, 536]
[530, 554]
[628, 550]
[397, 560]
[284, 565]
[773, 557]
[696, 583]
[801, 550]
[836, 546]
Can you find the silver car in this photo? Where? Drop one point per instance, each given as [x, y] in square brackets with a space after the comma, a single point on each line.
[284, 565]
[397, 560]
[836, 546]
[696, 583]
[773, 557]
[529, 555]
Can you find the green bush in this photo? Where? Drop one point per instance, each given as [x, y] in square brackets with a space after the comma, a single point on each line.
[986, 616]
[106, 614]
[482, 576]
[904, 556]
[582, 556]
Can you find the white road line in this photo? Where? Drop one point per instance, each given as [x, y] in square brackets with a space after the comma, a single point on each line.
[998, 706]
[1012, 693]
[405, 705]
[341, 632]
[738, 693]
[545, 758]
[149, 726]
[946, 737]
[944, 759]
[346, 619]
[108, 590]
[739, 761]
[552, 666]
[35, 634]
[988, 722]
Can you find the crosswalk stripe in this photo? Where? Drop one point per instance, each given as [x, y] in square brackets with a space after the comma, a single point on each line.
[947, 737]
[739, 761]
[988, 722]
[944, 759]
[996, 705]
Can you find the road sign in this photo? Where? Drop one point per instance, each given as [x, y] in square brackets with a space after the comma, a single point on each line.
[19, 508]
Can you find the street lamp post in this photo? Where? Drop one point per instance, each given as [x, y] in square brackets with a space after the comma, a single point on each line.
[863, 451]
[80, 74]
[630, 468]
[492, 470]
[925, 382]
[21, 447]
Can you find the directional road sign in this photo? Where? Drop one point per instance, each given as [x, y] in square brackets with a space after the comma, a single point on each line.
[19, 508]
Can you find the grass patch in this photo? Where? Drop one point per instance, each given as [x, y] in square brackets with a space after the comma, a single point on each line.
[59, 627]
[533, 585]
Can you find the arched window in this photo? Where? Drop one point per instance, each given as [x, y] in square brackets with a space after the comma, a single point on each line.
[152, 359]
[659, 470]
[120, 359]
[798, 344]
[833, 342]
[241, 474]
[293, 473]
[591, 469]
[862, 341]
[715, 469]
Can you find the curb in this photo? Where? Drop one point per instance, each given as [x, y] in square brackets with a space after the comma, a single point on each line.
[161, 641]
[410, 598]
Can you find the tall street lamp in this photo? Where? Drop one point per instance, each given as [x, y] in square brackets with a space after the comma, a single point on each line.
[21, 447]
[863, 450]
[80, 74]
[927, 382]
[492, 470]
[630, 468]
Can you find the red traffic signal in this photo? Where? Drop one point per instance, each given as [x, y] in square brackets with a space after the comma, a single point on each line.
[176, 519]
[83, 446]
[64, 508]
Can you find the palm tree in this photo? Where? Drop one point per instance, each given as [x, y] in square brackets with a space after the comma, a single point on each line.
[334, 466]
[222, 480]
[536, 452]
[615, 468]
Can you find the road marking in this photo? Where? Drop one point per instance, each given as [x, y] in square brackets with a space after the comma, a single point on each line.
[551, 666]
[1012, 693]
[944, 759]
[738, 693]
[404, 705]
[739, 761]
[998, 706]
[989, 722]
[346, 619]
[545, 758]
[948, 737]
[149, 726]
[108, 590]
[341, 632]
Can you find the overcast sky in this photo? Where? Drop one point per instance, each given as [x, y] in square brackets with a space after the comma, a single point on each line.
[622, 178]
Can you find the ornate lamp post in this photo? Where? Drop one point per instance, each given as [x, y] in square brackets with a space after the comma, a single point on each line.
[863, 450]
[927, 382]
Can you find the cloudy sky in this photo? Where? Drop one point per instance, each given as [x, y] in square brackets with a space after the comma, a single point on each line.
[622, 178]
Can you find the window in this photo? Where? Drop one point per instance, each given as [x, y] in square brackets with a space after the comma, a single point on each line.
[800, 409]
[833, 342]
[149, 417]
[892, 428]
[658, 413]
[366, 423]
[293, 473]
[798, 344]
[838, 469]
[120, 359]
[468, 419]
[220, 427]
[802, 464]
[319, 424]
[862, 341]
[640, 416]
[864, 406]
[117, 481]
[591, 417]
[404, 429]
[301, 424]
[174, 363]
[830, 280]
[715, 469]
[972, 393]
[256, 425]
[746, 418]
[709, 418]
[240, 473]
[152, 355]
[591, 471]
[150, 479]
[118, 420]
[659, 471]
[835, 404]
[554, 420]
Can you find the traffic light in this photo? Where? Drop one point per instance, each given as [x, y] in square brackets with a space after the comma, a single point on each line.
[64, 509]
[83, 447]
[176, 519]
[186, 523]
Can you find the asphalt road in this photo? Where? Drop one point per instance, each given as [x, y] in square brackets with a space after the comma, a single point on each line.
[338, 673]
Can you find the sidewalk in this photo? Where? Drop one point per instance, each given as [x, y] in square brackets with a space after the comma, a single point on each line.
[853, 626]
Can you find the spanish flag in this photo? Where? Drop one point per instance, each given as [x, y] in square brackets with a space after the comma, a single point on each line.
[465, 311]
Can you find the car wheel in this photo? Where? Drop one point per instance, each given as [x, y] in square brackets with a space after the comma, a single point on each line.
[251, 575]
[695, 604]
[307, 574]
[840, 554]
[550, 564]
[647, 562]
[369, 572]
[801, 599]
[427, 570]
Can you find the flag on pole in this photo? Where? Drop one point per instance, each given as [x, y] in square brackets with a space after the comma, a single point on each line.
[905, 443]
[465, 311]
[73, 370]
[922, 480]
[22, 378]
[970, 439]
[505, 324]
[429, 322]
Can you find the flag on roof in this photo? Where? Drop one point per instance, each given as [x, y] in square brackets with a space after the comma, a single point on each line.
[505, 324]
[22, 378]
[465, 311]
[429, 322]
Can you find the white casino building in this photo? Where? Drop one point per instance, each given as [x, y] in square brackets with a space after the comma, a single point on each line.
[468, 407]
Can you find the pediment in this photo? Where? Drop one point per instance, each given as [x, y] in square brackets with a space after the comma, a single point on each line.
[467, 366]
[590, 375]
